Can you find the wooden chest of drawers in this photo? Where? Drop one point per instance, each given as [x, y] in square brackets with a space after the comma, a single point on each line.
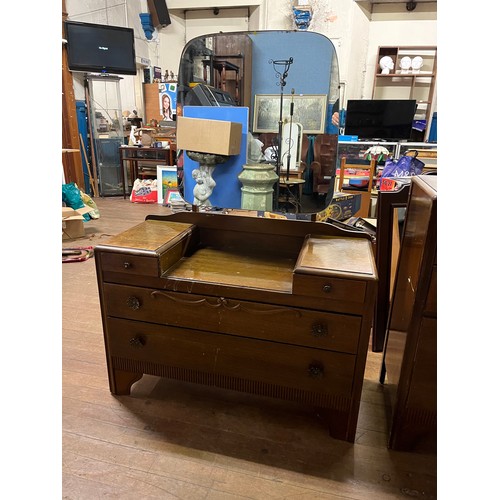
[271, 307]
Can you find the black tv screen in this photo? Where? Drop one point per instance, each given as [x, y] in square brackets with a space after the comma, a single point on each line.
[388, 119]
[99, 48]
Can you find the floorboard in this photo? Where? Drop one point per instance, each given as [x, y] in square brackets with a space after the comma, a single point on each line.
[172, 439]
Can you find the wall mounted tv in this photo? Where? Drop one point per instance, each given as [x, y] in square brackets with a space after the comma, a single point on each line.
[100, 48]
[386, 119]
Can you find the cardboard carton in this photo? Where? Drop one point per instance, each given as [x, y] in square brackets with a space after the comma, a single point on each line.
[208, 136]
[342, 207]
[72, 222]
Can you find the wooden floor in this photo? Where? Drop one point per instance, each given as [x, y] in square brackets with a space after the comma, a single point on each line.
[175, 440]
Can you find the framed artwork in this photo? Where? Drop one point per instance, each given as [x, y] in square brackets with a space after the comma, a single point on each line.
[167, 100]
[173, 195]
[166, 180]
[308, 109]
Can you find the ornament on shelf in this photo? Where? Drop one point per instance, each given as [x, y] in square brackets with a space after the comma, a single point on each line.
[416, 63]
[405, 64]
[386, 65]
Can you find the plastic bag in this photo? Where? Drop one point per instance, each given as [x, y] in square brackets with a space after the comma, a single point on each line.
[95, 214]
[406, 166]
[72, 198]
[144, 191]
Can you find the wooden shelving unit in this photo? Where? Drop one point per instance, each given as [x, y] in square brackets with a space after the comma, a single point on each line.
[408, 84]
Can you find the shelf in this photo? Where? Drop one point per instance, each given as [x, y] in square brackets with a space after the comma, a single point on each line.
[414, 84]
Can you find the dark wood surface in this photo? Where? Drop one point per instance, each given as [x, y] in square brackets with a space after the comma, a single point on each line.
[210, 315]
[410, 354]
[192, 441]
[388, 202]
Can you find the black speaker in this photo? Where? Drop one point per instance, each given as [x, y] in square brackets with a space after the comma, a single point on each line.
[159, 13]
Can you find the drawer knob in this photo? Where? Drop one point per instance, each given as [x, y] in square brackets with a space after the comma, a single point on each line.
[127, 265]
[315, 370]
[137, 341]
[133, 303]
[327, 288]
[319, 330]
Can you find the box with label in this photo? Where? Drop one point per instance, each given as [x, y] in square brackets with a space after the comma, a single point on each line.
[342, 207]
[208, 136]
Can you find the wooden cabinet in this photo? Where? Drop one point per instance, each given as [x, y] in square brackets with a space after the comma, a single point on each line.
[409, 366]
[402, 83]
[230, 67]
[271, 307]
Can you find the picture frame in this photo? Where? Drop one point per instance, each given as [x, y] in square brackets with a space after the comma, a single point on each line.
[166, 180]
[172, 196]
[309, 110]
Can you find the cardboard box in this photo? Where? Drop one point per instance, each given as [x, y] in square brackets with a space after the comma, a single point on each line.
[72, 222]
[342, 207]
[209, 136]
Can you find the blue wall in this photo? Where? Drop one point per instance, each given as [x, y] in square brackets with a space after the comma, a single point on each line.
[227, 192]
[307, 74]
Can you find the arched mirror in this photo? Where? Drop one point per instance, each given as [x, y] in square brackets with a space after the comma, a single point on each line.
[282, 88]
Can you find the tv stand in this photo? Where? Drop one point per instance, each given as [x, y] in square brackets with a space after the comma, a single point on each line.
[273, 307]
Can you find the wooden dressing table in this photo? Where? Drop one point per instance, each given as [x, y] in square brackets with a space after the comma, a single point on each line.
[273, 307]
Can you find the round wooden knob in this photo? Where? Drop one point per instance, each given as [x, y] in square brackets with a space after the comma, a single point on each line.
[133, 303]
[127, 265]
[319, 330]
[315, 370]
[327, 288]
[137, 341]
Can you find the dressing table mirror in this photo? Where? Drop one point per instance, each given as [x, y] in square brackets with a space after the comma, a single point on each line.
[277, 84]
[279, 307]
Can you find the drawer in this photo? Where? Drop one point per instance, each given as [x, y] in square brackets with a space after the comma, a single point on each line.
[129, 264]
[303, 327]
[329, 288]
[150, 348]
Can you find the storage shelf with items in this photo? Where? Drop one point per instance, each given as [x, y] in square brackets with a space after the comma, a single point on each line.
[427, 152]
[408, 73]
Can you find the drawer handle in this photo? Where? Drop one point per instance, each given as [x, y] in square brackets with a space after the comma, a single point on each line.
[319, 330]
[133, 303]
[137, 341]
[327, 288]
[315, 370]
[127, 265]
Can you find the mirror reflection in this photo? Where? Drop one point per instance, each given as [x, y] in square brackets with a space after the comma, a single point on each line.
[275, 92]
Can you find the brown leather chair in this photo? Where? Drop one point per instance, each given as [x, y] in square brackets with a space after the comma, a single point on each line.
[324, 164]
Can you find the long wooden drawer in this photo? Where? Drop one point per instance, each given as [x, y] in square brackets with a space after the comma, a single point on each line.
[301, 368]
[303, 327]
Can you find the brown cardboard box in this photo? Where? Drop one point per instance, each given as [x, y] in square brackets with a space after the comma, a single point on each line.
[72, 222]
[208, 136]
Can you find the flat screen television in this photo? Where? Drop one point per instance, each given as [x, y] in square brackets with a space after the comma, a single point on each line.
[386, 119]
[100, 48]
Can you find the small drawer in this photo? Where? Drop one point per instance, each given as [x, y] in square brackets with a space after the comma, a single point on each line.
[329, 288]
[312, 370]
[131, 264]
[303, 327]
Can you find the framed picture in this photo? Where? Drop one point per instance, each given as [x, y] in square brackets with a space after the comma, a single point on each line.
[308, 109]
[166, 180]
[172, 196]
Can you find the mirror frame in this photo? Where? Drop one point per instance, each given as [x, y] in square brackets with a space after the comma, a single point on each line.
[202, 47]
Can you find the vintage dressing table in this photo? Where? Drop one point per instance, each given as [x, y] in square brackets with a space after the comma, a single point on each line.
[273, 307]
